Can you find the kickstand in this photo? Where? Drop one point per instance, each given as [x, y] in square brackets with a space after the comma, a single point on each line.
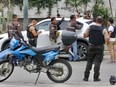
[37, 78]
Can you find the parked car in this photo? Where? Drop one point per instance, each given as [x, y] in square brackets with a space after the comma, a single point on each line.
[43, 38]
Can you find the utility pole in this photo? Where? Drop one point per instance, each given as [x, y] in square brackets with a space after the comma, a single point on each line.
[25, 14]
[111, 7]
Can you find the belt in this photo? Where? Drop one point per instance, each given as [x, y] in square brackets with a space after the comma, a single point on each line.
[32, 38]
[94, 45]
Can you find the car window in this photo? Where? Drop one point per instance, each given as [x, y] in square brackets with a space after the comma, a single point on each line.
[89, 22]
[63, 25]
[79, 23]
[43, 25]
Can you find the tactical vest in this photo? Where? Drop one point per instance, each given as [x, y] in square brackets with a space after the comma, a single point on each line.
[96, 36]
[29, 34]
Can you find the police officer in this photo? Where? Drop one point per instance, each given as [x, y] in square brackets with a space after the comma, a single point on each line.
[53, 28]
[72, 26]
[97, 37]
[32, 32]
[14, 27]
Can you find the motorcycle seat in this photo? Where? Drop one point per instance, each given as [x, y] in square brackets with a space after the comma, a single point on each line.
[45, 49]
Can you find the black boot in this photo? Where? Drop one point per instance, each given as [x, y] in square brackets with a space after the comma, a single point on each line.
[97, 79]
[85, 79]
[86, 76]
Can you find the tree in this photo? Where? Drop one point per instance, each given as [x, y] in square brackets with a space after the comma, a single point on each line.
[111, 7]
[37, 3]
[3, 3]
[100, 10]
[84, 3]
[78, 3]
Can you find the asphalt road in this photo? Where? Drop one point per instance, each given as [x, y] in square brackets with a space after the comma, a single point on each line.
[21, 78]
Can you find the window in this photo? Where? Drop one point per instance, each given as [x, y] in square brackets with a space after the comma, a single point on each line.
[63, 25]
[43, 25]
[89, 22]
[79, 23]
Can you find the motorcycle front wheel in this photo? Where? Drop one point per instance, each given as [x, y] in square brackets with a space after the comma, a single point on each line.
[6, 69]
[60, 71]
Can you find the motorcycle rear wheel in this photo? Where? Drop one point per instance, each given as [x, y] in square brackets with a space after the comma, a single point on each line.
[6, 70]
[64, 73]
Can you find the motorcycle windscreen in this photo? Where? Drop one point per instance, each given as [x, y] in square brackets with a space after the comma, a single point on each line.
[14, 43]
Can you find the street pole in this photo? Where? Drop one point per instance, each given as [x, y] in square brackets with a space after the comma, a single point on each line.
[25, 14]
[111, 7]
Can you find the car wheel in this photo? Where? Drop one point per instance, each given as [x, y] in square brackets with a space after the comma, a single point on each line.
[82, 50]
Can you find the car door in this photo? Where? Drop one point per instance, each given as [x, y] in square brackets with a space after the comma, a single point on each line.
[43, 38]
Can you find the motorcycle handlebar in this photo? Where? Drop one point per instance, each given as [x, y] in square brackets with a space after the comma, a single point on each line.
[25, 43]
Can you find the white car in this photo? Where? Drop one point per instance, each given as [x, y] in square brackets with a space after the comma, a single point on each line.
[43, 38]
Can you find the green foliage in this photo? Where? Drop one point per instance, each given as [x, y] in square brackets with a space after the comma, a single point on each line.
[77, 3]
[36, 3]
[100, 10]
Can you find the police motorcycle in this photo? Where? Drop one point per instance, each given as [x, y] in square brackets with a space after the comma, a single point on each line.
[36, 60]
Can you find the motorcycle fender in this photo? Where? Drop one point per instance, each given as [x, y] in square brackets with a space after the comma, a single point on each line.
[4, 53]
[49, 56]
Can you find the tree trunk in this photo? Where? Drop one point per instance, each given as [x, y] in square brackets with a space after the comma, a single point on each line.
[50, 8]
[85, 7]
[111, 7]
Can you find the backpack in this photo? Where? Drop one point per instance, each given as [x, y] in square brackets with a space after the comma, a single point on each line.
[114, 26]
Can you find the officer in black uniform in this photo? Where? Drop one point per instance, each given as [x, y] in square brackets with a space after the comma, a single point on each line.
[97, 37]
[32, 33]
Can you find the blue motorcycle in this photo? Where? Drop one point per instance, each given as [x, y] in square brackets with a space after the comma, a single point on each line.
[34, 60]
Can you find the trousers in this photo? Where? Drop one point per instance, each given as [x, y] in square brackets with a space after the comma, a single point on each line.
[74, 50]
[95, 53]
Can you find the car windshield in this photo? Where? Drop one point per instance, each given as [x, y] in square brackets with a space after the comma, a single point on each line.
[89, 22]
[45, 25]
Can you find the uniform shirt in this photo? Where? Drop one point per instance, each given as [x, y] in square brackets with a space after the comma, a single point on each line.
[111, 29]
[53, 28]
[14, 26]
